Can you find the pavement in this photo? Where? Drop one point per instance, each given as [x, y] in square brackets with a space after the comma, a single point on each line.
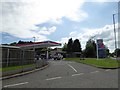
[24, 73]
[66, 74]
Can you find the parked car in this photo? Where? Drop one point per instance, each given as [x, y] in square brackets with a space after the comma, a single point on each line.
[58, 57]
[43, 56]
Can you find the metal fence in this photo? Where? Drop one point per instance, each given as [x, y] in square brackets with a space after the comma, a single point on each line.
[16, 57]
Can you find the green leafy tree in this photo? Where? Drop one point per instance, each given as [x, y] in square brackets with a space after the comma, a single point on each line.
[64, 47]
[13, 44]
[112, 54]
[24, 42]
[107, 51]
[76, 46]
[20, 42]
[90, 50]
[117, 51]
[70, 46]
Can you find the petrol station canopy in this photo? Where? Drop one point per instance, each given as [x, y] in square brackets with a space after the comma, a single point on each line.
[38, 45]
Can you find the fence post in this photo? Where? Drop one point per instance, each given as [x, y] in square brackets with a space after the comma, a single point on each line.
[22, 59]
[8, 50]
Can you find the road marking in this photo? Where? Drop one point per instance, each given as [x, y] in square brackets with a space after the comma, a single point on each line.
[77, 74]
[16, 84]
[71, 62]
[94, 72]
[53, 78]
[72, 67]
[107, 70]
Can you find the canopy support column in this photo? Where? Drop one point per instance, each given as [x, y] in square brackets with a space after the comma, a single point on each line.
[47, 55]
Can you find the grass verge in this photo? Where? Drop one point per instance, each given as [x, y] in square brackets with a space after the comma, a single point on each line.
[15, 67]
[104, 63]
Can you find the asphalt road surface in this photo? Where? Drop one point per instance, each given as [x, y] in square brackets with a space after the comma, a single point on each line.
[66, 74]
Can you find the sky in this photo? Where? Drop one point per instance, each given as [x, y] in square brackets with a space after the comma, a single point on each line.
[58, 20]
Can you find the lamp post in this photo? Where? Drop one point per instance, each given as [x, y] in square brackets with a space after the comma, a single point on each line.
[115, 32]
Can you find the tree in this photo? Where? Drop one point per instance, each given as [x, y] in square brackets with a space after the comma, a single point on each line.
[117, 51]
[107, 51]
[64, 47]
[24, 42]
[112, 54]
[90, 50]
[20, 42]
[13, 44]
[70, 46]
[76, 46]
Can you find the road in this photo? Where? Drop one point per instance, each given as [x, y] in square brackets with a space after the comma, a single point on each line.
[66, 74]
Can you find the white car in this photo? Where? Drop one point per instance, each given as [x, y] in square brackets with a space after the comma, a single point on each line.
[58, 57]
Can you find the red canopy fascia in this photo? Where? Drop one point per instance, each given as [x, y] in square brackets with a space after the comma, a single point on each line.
[38, 44]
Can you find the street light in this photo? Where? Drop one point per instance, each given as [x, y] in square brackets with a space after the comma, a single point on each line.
[115, 32]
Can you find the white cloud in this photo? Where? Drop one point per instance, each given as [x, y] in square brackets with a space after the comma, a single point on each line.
[102, 1]
[19, 17]
[47, 31]
[72, 34]
[106, 33]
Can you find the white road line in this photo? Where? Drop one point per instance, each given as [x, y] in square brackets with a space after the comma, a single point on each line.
[94, 72]
[53, 78]
[71, 62]
[77, 74]
[107, 70]
[72, 67]
[15, 84]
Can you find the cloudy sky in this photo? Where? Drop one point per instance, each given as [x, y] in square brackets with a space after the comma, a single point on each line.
[58, 20]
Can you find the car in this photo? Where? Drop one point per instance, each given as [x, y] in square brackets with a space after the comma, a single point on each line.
[58, 57]
[43, 56]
